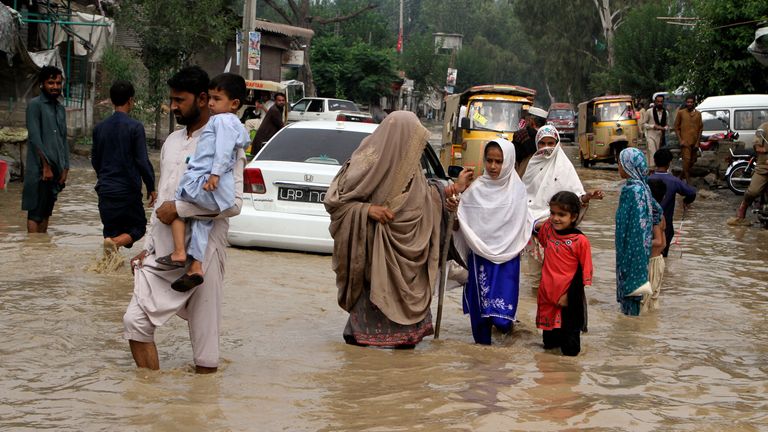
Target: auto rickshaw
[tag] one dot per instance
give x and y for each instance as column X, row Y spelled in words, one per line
column 477, row 116
column 607, row 125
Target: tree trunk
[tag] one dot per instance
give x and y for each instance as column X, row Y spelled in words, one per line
column 309, row 82
column 606, row 22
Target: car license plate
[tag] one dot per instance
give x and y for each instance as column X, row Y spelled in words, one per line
column 301, row 194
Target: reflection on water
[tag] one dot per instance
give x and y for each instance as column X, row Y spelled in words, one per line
column 699, row 363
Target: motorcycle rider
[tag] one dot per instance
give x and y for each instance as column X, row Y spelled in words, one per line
column 759, row 180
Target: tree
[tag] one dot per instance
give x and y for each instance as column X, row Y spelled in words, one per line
column 644, row 52
column 563, row 54
column 610, row 20
column 171, row 32
column 299, row 14
column 358, row 72
column 712, row 56
column 422, row 64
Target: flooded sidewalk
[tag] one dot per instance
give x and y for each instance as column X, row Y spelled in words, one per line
column 699, row 363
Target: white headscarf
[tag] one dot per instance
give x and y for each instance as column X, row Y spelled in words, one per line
column 549, row 172
column 494, row 221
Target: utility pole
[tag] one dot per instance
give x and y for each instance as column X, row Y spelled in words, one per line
column 249, row 25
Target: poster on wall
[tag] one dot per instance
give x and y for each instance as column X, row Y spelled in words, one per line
column 254, row 50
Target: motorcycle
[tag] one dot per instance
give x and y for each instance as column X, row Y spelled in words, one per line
column 710, row 142
column 740, row 169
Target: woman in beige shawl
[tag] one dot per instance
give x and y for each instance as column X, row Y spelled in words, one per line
column 386, row 224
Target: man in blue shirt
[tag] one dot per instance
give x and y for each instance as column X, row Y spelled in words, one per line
column 119, row 156
column 662, row 158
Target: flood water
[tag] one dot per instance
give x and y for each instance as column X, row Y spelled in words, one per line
column 699, row 363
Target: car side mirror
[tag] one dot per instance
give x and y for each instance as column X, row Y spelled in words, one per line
column 454, row 171
column 464, row 123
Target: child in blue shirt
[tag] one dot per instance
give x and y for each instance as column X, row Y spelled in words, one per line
column 209, row 181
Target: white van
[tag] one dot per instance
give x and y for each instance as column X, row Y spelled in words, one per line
column 743, row 113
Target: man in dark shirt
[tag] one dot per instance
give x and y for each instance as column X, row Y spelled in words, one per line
column 662, row 158
column 272, row 123
column 119, row 156
column 524, row 139
column 47, row 163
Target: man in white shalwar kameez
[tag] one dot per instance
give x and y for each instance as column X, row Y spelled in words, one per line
column 154, row 301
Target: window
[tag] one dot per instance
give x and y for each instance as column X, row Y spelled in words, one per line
column 500, row 116
column 316, row 105
column 341, row 105
column 716, row 120
column 300, row 106
column 743, row 120
column 323, row 146
column 749, row 119
column 613, row 111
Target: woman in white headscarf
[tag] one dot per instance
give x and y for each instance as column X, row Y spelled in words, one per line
column 494, row 227
column 549, row 172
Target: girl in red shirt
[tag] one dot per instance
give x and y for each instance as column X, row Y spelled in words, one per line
column 567, row 270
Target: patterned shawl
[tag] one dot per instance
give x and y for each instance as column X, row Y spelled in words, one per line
column 634, row 230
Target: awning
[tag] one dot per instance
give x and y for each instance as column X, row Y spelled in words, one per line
column 284, row 29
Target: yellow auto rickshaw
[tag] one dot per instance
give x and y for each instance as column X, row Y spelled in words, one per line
column 477, row 116
column 607, row 125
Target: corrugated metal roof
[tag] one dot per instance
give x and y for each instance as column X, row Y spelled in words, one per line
column 126, row 38
column 284, row 29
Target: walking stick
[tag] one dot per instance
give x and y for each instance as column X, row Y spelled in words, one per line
column 444, row 272
column 685, row 210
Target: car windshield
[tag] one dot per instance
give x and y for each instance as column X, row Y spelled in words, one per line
column 341, row 105
column 330, row 147
column 613, row 111
column 560, row 114
column 500, row 116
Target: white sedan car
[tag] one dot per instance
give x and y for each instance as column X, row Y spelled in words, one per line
column 317, row 108
column 285, row 185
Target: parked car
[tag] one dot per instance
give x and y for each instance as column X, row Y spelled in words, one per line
column 312, row 108
column 285, row 185
column 740, row 113
column 563, row 117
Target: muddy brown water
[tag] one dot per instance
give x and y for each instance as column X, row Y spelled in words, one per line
column 699, row 363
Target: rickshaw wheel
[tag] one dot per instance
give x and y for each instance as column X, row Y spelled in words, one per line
column 586, row 163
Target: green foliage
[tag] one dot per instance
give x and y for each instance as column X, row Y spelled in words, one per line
column 358, row 71
column 369, row 27
column 712, row 57
column 644, row 53
column 564, row 37
column 482, row 62
column 421, row 64
column 171, row 31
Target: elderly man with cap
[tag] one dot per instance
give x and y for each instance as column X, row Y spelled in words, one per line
column 523, row 139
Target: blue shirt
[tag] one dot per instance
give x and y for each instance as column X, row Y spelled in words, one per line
column 675, row 186
column 119, row 156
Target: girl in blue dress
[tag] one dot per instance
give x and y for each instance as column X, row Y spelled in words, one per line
column 494, row 227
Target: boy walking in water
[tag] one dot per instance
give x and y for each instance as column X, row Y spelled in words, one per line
column 656, row 264
column 208, row 181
